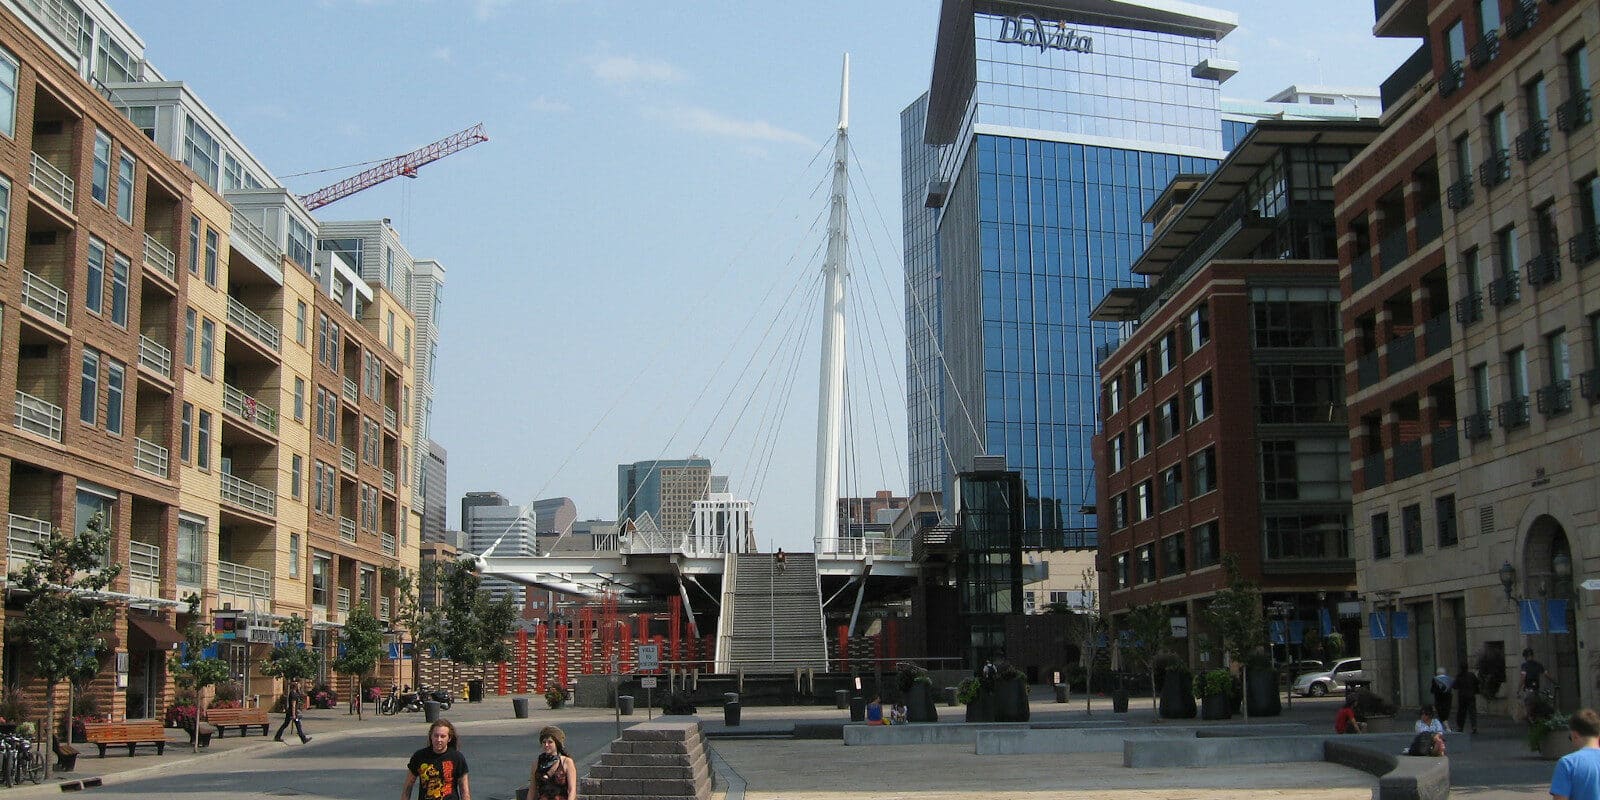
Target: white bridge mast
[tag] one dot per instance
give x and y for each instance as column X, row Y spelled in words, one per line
column 830, row 403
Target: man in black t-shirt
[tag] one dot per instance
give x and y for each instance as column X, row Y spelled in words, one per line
column 439, row 768
column 1532, row 672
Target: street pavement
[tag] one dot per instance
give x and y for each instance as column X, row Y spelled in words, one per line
column 366, row 759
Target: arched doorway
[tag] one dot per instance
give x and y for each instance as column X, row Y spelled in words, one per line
column 1547, row 574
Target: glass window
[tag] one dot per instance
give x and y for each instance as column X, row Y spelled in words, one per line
column 112, row 63
column 1499, row 135
column 201, row 152
column 296, row 468
column 1113, row 394
column 1534, row 102
column 1299, row 393
column 320, row 567
column 1200, row 400
column 1298, row 318
column 300, row 244
column 5, row 218
column 116, row 375
column 1380, row 535
column 191, row 551
column 1171, row 486
column 1578, row 70
column 95, row 277
column 1207, row 544
column 1555, row 347
column 1455, row 43
column 1172, row 555
column 100, row 172
column 1305, row 469
column 8, row 93
column 1119, row 512
column 1517, row 374
column 1119, row 454
column 1169, row 418
column 203, row 442
column 1411, row 529
column 1147, row 564
column 89, row 390
column 189, row 319
column 211, row 257
column 1480, row 387
column 1144, row 505
column 1488, row 16
column 194, row 245
column 1203, row 472
column 125, row 171
column 1506, row 246
column 143, row 118
column 1306, row 535
column 186, row 432
column 1444, row 518
column 1119, row 569
column 119, row 289
column 294, row 552
column 1141, row 438
column 1199, row 327
column 1167, row 352
column 208, row 338
column 300, row 321
column 299, row 399
column 1140, row 372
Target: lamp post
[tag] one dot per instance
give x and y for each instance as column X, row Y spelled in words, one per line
column 1283, row 610
column 1390, row 596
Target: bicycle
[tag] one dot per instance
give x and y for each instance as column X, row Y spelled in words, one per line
column 20, row 760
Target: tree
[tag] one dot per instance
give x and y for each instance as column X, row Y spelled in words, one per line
column 62, row 622
column 1148, row 628
column 1234, row 614
column 1086, row 627
column 361, row 647
column 466, row 625
column 290, row 659
column 191, row 668
column 409, row 613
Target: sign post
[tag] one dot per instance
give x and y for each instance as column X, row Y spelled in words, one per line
column 616, row 683
column 649, row 661
column 649, row 684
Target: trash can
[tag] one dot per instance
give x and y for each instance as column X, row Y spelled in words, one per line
column 1061, row 693
column 519, row 706
column 475, row 690
column 730, row 697
column 858, row 709
column 730, row 713
column 625, row 705
column 430, row 710
column 950, row 696
column 841, row 698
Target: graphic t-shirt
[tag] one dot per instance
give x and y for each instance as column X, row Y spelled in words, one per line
column 438, row 773
column 1577, row 775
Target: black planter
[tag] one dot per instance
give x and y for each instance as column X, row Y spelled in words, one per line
column 1119, row 701
column 919, row 703
column 1261, row 692
column 1011, row 700
column 981, row 709
column 1177, row 697
column 1216, row 706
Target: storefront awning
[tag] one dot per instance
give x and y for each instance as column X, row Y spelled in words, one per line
column 145, row 633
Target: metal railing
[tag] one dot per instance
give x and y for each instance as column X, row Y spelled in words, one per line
column 1524, row 15
column 1495, row 170
column 1446, row 446
column 25, row 537
column 352, row 390
column 1372, row 470
column 244, row 494
column 1475, row 426
column 243, row 581
column 1589, row 385
column 252, row 323
column 347, row 529
column 245, row 407
column 161, row 257
column 1574, row 112
column 1104, row 350
column 347, row 459
column 150, row 457
column 55, row 184
column 1392, row 248
column 1459, row 194
column 1407, row 459
column 1543, row 269
column 342, row 602
column 1367, row 369
column 1454, row 77
column 44, row 297
column 388, row 543
column 1505, row 290
column 657, row 541
column 1513, row 413
column 874, row 546
column 1430, row 224
column 156, row 356
column 1486, row 49
column 1469, row 309
column 390, row 418
column 1584, row 247
column 1534, row 142
column 36, row 415
column 1436, row 335
column 144, row 561
column 1402, row 352
column 1555, row 398
column 243, row 229
column 1361, row 269
column 388, row 479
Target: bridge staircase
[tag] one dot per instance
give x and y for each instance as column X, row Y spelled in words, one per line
column 772, row 620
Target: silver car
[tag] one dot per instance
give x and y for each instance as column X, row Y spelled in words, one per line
column 1317, row 684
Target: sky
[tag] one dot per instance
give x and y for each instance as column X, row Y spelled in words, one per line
column 619, row 253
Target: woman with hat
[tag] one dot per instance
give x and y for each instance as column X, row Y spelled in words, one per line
column 554, row 776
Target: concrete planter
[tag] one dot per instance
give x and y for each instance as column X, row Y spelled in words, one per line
column 919, row 703
column 1216, row 706
column 1011, row 700
column 1261, row 692
column 1555, row 744
column 1177, row 696
column 1119, row 701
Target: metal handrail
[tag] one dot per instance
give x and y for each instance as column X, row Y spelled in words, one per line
column 390, row 418
column 347, row 459
column 44, row 297
column 155, row 355
column 352, row 390
column 144, row 561
column 161, row 257
column 388, row 544
column 243, row 493
column 244, row 580
column 36, row 415
column 261, row 415
column 25, row 537
column 388, row 479
column 57, row 185
column 253, row 324
column 150, row 457
column 347, row 529
column 242, row 228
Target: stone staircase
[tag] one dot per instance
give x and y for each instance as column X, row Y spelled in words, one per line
column 652, row 760
column 776, row 616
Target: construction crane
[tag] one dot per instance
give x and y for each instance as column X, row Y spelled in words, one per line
column 406, row 165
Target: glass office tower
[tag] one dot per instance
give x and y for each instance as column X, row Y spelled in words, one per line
column 1055, row 125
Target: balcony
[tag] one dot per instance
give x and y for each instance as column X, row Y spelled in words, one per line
column 243, row 494
column 159, row 257
column 44, row 297
column 352, row 390
column 242, row 230
column 1574, row 112
column 144, row 562
column 1534, row 142
column 37, row 416
column 1543, row 269
column 388, row 480
column 1367, row 370
column 1513, row 413
column 244, row 581
column 1589, row 385
column 1524, row 15
column 1436, row 335
column 1555, row 399
column 1475, row 426
column 1430, row 224
column 1361, row 269
column 388, row 544
column 390, row 418
column 1407, row 459
column 1469, row 309
column 1495, row 170
column 1584, row 248
column 342, row 603
column 1459, row 194
column 1505, row 290
column 25, row 537
column 347, row 529
column 150, row 457
column 1454, row 77
column 250, row 322
column 245, row 407
column 1402, row 352
column 347, row 459
column 1484, row 50
column 383, row 608
column 52, row 182
column 156, row 356
column 1372, row 469
column 1104, row 351
column 1392, row 248
column 1446, row 447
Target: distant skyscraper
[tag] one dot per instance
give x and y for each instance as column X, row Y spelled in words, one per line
column 556, row 514
column 487, row 518
column 665, row 489
column 435, row 469
column 472, row 500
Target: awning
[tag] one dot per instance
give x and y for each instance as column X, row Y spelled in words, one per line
column 145, row 633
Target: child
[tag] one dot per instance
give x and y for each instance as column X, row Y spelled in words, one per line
column 897, row 715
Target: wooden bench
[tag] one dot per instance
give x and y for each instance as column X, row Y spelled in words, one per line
column 132, row 734
column 242, row 718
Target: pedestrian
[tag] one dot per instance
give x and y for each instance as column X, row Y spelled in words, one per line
column 1577, row 775
column 292, row 702
column 1466, row 689
column 554, row 776
column 1428, row 722
column 875, row 711
column 1345, row 721
column 1532, row 676
column 439, row 768
column 780, row 560
column 1441, row 686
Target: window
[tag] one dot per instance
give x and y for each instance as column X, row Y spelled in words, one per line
column 1119, row 454
column 188, row 337
column 143, row 118
column 1480, row 387
column 1119, row 570
column 1555, row 348
column 5, row 216
column 1172, row 555
column 1207, row 544
column 1199, row 327
column 194, row 245
column 300, row 322
column 208, row 339
column 1411, row 529
column 1139, row 370
column 388, row 331
column 1119, row 512
column 211, row 257
column 89, row 394
column 1141, row 438
column 1147, row 564
column 296, row 472
column 1114, row 394
column 1299, row 393
column 116, row 375
column 1455, row 44
column 294, row 554
column 100, row 173
column 1203, row 472
column 112, row 63
column 1488, row 16
column 1169, row 418
column 1295, row 318
column 1306, row 535
column 1144, row 506
column 191, row 550
column 300, row 244
column 202, row 457
column 1444, row 519
column 1534, row 102
column 1517, row 374
column 186, row 432
column 95, row 282
column 1497, row 132
column 8, row 93
column 1167, row 352
column 1171, row 486
column 316, row 487
column 1588, row 203
column 299, row 399
column 320, row 567
column 1200, row 400
column 125, row 171
column 201, row 152
column 1380, row 535
column 406, row 354
column 1463, row 158
column 1305, row 469
column 119, row 289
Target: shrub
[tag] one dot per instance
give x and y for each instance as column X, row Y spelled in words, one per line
column 677, row 703
column 224, row 704
column 78, row 730
column 967, row 690
column 227, row 691
column 1213, row 682
column 324, row 696
column 84, row 705
column 1539, row 727
column 907, row 673
column 555, row 697
column 180, row 716
column 13, row 706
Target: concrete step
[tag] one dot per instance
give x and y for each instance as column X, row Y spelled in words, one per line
column 650, row 773
column 671, row 787
column 611, row 759
column 653, row 748
column 663, row 732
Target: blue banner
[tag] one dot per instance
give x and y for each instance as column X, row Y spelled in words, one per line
column 1401, row 625
column 1378, row 622
column 1530, row 615
column 1276, row 632
column 1557, row 619
column 1326, row 620
column 394, row 650
column 1297, row 631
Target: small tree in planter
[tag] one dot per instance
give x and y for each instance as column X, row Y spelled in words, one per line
column 192, row 670
column 916, row 691
column 1234, row 614
column 361, row 643
column 1148, row 630
column 290, row 659
column 1087, row 628
column 1215, row 688
column 555, row 697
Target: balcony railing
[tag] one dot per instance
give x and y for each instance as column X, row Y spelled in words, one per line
column 1454, row 77
column 144, row 561
column 388, row 479
column 25, row 538
column 1574, row 112
column 1430, row 224
column 347, row 459
column 1104, row 350
column 243, row 581
column 1475, row 426
column 1402, row 352
column 1505, row 290
column 1459, row 194
column 44, row 297
column 1367, row 370
column 1484, row 50
column 1584, row 248
column 245, row 407
column 390, row 418
column 1556, row 398
column 55, row 184
column 1446, row 447
column 150, row 457
column 261, row 330
column 243, row 229
column 1392, row 248
column 383, row 608
column 1436, row 335
column 343, row 600
column 352, row 390
column 1513, row 413
column 1469, row 309
column 347, row 529
column 37, row 416
column 1543, row 269
column 156, row 356
column 1407, row 459
column 1589, row 385
column 388, row 544
column 244, row 494
column 1372, row 469
column 1495, row 170
column 1524, row 15
column 1534, row 142
column 1361, row 269
column 160, row 257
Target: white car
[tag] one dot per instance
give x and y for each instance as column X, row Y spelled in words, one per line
column 1317, row 684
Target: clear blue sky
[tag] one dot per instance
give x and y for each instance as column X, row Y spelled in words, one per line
column 610, row 242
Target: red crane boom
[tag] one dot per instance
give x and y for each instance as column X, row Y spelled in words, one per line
column 406, row 165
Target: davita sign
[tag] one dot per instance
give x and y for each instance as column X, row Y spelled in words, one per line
column 1028, row 30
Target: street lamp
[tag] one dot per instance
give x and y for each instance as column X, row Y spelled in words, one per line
column 1508, row 577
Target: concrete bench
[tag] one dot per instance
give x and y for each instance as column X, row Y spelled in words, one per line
column 923, row 732
column 1399, row 777
column 132, row 734
column 1214, row 748
column 242, row 718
